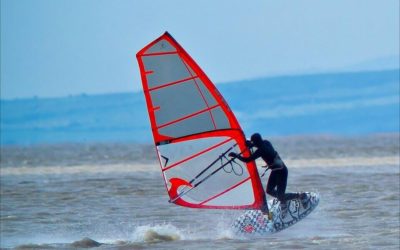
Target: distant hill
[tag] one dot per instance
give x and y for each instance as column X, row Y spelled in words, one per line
column 381, row 63
column 335, row 103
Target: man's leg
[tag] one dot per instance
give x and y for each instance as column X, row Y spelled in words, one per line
column 281, row 184
column 271, row 191
column 272, row 183
column 281, row 188
column 264, row 208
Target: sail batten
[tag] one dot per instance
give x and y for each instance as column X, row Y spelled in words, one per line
column 195, row 155
column 208, row 109
column 194, row 130
column 160, row 53
column 172, row 83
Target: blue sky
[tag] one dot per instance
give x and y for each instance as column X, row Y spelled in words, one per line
column 66, row 47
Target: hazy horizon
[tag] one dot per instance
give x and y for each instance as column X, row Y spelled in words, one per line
column 266, row 77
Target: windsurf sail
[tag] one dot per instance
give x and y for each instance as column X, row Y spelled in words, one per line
column 194, row 130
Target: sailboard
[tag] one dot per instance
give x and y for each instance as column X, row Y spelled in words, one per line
column 253, row 222
column 194, row 130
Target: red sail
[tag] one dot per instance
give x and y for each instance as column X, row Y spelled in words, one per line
column 194, row 130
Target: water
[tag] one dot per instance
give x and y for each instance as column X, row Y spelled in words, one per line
column 112, row 197
column 351, row 103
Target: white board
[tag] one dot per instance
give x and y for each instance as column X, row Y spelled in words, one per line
column 253, row 222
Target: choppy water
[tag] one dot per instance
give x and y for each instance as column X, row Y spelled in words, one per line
column 56, row 196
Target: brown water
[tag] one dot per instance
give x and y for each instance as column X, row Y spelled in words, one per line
column 55, row 196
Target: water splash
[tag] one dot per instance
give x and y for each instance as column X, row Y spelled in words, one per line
column 157, row 233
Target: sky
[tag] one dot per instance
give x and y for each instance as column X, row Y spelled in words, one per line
column 52, row 48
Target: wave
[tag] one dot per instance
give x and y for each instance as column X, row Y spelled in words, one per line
column 157, row 233
column 142, row 236
column 147, row 167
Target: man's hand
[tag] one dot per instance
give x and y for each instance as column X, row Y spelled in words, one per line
column 249, row 144
column 233, row 155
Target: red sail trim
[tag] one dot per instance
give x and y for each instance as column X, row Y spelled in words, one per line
column 160, row 53
column 234, row 133
column 227, row 190
column 187, row 116
column 143, row 75
column 197, row 154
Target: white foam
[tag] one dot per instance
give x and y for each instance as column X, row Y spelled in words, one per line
column 80, row 169
column 161, row 232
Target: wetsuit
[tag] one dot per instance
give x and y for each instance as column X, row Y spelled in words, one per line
column 277, row 180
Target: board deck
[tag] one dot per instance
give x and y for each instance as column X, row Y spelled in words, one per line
column 253, row 222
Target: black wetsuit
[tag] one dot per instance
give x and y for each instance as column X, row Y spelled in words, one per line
column 277, row 180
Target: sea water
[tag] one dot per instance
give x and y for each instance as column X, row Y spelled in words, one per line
column 112, row 196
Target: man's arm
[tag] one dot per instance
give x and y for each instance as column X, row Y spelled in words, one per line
column 252, row 157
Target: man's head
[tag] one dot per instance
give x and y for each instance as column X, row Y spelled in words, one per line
column 256, row 139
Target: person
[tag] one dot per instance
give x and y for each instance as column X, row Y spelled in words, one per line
column 277, row 180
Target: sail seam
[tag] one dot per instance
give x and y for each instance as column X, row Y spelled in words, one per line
column 172, row 83
column 160, row 53
column 201, row 93
column 225, row 191
column 188, row 116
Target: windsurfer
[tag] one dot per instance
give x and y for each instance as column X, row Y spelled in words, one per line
column 277, row 180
